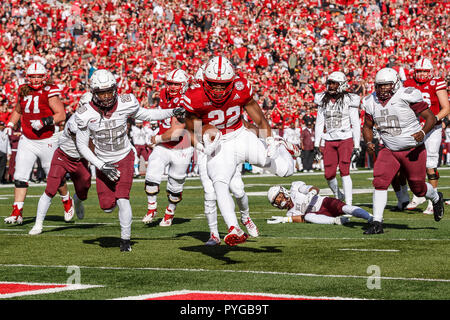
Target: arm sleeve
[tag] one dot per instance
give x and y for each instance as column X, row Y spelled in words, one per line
column 356, row 126
column 153, row 114
column 83, row 147
column 319, row 127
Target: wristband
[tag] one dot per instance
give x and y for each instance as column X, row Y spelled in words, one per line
column 287, row 219
column 437, row 118
column 423, row 132
column 158, row 139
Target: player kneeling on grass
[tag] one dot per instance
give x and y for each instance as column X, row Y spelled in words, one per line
column 304, row 204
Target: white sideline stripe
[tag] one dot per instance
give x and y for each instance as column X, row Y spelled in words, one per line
column 184, row 291
column 233, row 271
column 376, row 250
column 67, row 287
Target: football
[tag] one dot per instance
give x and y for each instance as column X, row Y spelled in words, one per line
column 208, row 132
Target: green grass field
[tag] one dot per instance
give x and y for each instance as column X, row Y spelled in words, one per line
column 409, row 261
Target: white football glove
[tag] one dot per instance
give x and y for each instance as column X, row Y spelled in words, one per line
column 278, row 219
column 9, row 128
column 271, row 147
column 37, row 124
column 211, row 146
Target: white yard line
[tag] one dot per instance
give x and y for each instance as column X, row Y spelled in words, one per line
column 295, row 274
column 375, row 250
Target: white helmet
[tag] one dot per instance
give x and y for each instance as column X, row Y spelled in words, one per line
column 36, row 75
column 104, row 83
column 176, row 82
column 338, row 77
column 383, row 77
column 218, row 78
column 273, row 193
column 423, row 65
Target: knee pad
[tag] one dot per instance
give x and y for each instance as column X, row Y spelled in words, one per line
column 434, row 175
column 210, row 207
column 174, row 197
column 151, row 188
column 20, row 184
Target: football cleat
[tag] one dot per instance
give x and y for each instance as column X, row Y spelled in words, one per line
column 438, row 208
column 341, row 195
column 37, row 229
column 251, row 227
column 235, row 236
column 447, row 202
column 341, row 220
column 125, row 245
column 375, row 227
column 168, row 218
column 415, row 202
column 16, row 216
column 79, row 208
column 429, row 209
column 401, row 206
column 212, row 241
column 151, row 213
column 69, row 211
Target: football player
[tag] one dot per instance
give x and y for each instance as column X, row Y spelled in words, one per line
column 304, row 204
column 39, row 109
column 394, row 110
column 66, row 160
column 338, row 113
column 104, row 119
column 434, row 93
column 172, row 149
column 220, row 101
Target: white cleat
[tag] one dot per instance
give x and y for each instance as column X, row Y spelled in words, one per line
column 415, row 202
column 13, row 220
column 36, row 230
column 213, row 241
column 429, row 209
column 79, row 208
column 69, row 210
column 447, row 202
column 151, row 213
column 167, row 220
column 251, row 227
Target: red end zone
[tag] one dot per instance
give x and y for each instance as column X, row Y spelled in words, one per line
column 17, row 289
column 218, row 295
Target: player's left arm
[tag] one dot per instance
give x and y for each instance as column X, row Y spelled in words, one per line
column 176, row 130
column 430, row 121
column 255, row 113
column 444, row 103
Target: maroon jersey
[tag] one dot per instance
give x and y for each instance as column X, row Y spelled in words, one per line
column 165, row 124
column 429, row 90
column 35, row 106
column 226, row 117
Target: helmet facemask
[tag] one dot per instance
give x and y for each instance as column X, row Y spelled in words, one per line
column 218, row 91
column 105, row 98
column 384, row 91
column 282, row 199
column 422, row 75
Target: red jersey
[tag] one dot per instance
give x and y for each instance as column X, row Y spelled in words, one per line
column 35, row 106
column 227, row 117
column 429, row 90
column 164, row 125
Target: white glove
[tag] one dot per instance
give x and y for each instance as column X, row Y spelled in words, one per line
column 271, row 147
column 9, row 128
column 278, row 219
column 211, row 146
column 37, row 124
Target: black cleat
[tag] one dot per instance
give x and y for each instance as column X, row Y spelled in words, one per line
column 125, row 245
column 400, row 208
column 438, row 208
column 375, row 227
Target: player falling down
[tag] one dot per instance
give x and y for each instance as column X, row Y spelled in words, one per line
column 220, row 101
column 304, row 204
column 66, row 159
column 104, row 120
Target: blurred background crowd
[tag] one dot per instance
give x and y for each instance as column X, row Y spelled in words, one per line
column 285, row 48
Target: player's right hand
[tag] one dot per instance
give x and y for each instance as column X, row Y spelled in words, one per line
column 211, row 146
column 9, row 128
column 110, row 171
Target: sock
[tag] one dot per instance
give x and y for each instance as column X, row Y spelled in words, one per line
column 333, row 184
column 65, row 197
column 431, row 193
column 171, row 207
column 318, row 218
column 19, row 205
column 211, row 216
column 404, row 190
column 76, row 200
column 348, row 189
column 357, row 212
column 151, row 200
column 379, row 203
column 125, row 218
column 44, row 203
column 242, row 203
column 226, row 204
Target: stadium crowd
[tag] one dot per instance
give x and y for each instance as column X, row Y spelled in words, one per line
column 285, row 48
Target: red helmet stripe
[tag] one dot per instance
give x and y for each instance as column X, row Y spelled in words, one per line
column 219, row 72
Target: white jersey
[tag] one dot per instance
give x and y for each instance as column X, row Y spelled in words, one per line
column 109, row 133
column 292, row 135
column 396, row 121
column 149, row 133
column 447, row 135
column 66, row 141
column 138, row 135
column 303, row 202
column 341, row 120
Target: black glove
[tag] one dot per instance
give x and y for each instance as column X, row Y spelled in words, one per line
column 317, row 153
column 110, row 171
column 179, row 113
column 356, row 152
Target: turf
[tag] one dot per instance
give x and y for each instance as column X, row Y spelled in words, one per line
column 409, row 261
